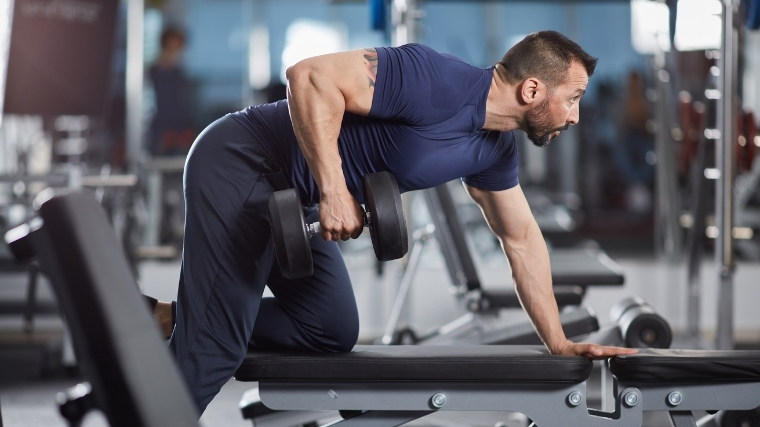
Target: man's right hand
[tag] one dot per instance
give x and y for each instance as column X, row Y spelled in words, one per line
column 340, row 216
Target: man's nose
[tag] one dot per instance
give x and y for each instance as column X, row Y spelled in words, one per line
column 575, row 115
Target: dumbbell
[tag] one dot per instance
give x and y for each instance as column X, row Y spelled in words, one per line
column 640, row 325
column 383, row 215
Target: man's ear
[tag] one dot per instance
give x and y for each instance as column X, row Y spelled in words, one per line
column 530, row 90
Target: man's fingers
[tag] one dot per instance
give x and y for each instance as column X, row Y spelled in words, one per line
column 595, row 351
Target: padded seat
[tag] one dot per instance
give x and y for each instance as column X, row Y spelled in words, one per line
column 656, row 365
column 507, row 298
column 417, row 363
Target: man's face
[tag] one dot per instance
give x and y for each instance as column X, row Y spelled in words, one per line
column 559, row 109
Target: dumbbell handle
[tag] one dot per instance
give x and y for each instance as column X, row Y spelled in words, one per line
column 315, row 227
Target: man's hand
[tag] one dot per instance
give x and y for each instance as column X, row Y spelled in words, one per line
column 592, row 351
column 341, row 216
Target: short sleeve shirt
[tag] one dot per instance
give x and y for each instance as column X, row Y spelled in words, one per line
column 424, row 126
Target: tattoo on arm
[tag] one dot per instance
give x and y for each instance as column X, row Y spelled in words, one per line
column 370, row 58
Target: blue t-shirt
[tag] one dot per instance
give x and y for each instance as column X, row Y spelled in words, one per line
column 425, row 127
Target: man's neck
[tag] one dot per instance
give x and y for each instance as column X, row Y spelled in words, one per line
column 503, row 111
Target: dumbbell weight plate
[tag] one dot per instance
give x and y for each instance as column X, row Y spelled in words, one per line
column 642, row 327
column 624, row 305
column 388, row 229
column 291, row 242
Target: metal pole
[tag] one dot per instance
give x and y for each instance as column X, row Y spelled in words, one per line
column 697, row 235
column 406, row 283
column 724, row 200
column 404, row 15
column 668, row 232
column 134, row 81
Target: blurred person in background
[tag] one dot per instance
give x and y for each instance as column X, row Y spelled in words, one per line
column 171, row 130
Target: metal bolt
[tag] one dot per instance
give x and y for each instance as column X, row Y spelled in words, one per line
column 575, row 398
column 675, row 398
column 332, row 394
column 631, row 399
column 438, row 400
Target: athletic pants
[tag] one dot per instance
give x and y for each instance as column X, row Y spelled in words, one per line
column 227, row 260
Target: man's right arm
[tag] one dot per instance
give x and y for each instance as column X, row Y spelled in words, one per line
column 320, row 90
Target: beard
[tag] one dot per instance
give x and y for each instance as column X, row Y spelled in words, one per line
column 539, row 126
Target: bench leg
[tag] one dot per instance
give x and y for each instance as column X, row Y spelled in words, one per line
column 381, row 419
column 682, row 419
column 31, row 299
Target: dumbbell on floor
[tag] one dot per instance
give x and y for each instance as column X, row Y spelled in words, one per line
column 384, row 216
column 640, row 325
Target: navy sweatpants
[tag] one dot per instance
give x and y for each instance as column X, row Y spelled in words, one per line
column 228, row 258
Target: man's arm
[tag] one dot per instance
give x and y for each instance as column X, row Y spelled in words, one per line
column 508, row 214
column 320, row 90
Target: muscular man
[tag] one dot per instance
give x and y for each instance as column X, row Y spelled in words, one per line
column 427, row 118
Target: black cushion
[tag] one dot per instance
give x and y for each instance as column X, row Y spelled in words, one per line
column 652, row 365
column 135, row 380
column 584, row 268
column 507, row 298
column 417, row 363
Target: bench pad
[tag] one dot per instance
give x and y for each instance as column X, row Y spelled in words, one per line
column 417, row 363
column 655, row 365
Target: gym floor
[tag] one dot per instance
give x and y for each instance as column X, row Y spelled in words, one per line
column 32, row 403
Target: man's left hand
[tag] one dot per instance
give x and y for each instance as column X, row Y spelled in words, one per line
column 592, row 351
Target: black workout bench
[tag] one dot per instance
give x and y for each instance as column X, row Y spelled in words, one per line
column 388, row 386
column 135, row 382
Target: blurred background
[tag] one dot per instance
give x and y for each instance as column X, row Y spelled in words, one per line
column 107, row 96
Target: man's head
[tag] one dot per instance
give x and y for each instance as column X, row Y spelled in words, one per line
column 550, row 72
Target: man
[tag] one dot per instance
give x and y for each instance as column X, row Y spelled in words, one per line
column 427, row 118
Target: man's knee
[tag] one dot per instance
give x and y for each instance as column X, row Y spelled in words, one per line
column 344, row 339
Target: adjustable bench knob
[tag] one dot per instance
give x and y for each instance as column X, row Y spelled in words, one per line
column 575, row 398
column 675, row 398
column 631, row 399
column 438, row 400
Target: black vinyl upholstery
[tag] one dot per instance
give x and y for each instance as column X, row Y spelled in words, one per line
column 659, row 365
column 417, row 363
column 135, row 381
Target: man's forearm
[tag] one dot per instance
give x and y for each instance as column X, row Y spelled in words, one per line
column 531, row 269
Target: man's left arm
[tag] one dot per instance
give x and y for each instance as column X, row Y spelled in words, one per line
column 509, row 216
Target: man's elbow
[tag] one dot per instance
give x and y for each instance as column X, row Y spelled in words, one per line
column 298, row 74
column 521, row 236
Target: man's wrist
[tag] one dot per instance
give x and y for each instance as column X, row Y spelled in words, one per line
column 333, row 191
column 559, row 346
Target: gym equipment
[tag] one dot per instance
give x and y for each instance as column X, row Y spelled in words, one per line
column 749, row 418
column 388, row 386
column 633, row 320
column 751, row 14
column 377, row 14
column 639, row 325
column 134, row 380
column 572, row 272
column 384, row 216
column 725, row 161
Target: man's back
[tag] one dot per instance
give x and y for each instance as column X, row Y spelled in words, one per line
column 424, row 127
